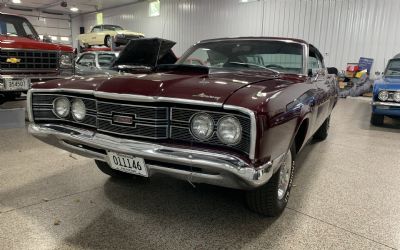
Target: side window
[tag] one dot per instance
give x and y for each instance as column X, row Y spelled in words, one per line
column 87, row 60
column 96, row 29
column 206, row 57
column 27, row 29
column 314, row 61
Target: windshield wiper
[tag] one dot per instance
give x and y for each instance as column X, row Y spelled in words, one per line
column 249, row 65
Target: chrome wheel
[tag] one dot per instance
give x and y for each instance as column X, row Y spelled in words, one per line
column 285, row 173
column 108, row 41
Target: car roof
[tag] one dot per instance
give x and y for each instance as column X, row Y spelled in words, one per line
column 396, row 56
column 255, row 38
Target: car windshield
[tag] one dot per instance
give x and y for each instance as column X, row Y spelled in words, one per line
column 112, row 27
column 247, row 54
column 393, row 68
column 16, row 26
column 105, row 60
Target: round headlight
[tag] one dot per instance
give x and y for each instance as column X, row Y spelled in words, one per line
column 202, row 126
column 229, row 130
column 396, row 97
column 383, row 95
column 78, row 109
column 61, row 107
column 66, row 60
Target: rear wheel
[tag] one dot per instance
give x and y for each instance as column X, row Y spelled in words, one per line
column 271, row 198
column 105, row 168
column 108, row 41
column 377, row 120
column 322, row 132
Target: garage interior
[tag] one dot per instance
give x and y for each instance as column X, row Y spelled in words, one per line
column 345, row 193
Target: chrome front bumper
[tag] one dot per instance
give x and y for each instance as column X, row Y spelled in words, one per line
column 211, row 168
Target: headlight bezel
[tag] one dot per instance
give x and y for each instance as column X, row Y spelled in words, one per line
column 66, row 63
column 396, row 96
column 68, row 110
column 382, row 92
column 240, row 132
column 212, row 126
column 78, row 101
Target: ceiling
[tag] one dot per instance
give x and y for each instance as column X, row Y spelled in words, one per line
column 85, row 6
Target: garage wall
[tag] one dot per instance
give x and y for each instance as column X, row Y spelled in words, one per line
column 343, row 30
column 57, row 26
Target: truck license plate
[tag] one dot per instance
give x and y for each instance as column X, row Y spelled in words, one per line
column 17, row 84
column 128, row 164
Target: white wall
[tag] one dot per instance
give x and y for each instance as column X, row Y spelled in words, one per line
column 54, row 25
column 343, row 30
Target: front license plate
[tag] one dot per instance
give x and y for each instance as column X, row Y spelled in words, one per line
column 128, row 164
column 17, row 84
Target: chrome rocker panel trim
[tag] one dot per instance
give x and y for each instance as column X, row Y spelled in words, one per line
column 218, row 169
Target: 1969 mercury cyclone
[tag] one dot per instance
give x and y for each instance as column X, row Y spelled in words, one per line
column 231, row 112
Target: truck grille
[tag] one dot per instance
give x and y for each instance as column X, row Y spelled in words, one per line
column 148, row 121
column 28, row 60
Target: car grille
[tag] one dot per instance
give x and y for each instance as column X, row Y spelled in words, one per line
column 43, row 61
column 148, row 122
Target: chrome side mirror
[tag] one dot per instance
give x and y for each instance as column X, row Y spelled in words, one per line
column 47, row 39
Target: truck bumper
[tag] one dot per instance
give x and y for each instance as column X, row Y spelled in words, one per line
column 386, row 108
column 187, row 164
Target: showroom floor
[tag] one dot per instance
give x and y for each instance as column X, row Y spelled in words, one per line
column 345, row 196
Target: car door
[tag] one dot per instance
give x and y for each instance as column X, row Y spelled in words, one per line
column 93, row 38
column 319, row 77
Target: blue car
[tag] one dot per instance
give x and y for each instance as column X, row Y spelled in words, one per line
column 386, row 94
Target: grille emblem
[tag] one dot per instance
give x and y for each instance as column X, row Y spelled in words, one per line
column 13, row 60
column 122, row 119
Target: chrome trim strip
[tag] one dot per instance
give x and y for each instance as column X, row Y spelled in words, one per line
column 136, row 123
column 385, row 104
column 233, row 171
column 29, row 105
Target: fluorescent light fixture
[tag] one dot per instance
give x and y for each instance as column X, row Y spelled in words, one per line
column 16, row 1
column 41, row 37
column 64, row 38
column 54, row 38
column 74, row 9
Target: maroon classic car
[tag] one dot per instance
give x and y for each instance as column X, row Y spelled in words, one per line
column 231, row 112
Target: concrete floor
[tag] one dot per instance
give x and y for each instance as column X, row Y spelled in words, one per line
column 345, row 196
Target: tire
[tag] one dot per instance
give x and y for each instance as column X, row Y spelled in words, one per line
column 322, row 132
column 108, row 41
column 105, row 168
column 270, row 200
column 377, row 120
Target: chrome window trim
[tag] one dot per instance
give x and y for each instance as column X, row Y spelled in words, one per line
column 129, row 97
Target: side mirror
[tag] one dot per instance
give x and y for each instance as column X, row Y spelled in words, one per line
column 47, row 39
column 333, row 71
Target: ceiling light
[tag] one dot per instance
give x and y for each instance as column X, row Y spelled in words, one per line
column 16, row 1
column 74, row 9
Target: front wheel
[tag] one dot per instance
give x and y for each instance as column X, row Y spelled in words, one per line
column 271, row 198
column 377, row 120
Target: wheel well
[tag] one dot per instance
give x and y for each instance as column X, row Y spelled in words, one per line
column 301, row 135
column 105, row 38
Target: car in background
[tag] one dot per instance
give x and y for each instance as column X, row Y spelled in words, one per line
column 234, row 121
column 95, row 62
column 105, row 34
column 386, row 93
column 25, row 58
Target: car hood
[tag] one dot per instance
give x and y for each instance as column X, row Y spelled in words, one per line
column 16, row 42
column 215, row 88
column 391, row 83
column 146, row 52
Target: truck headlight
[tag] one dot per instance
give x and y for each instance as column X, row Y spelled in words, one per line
column 78, row 109
column 66, row 60
column 396, row 96
column 202, row 126
column 229, row 130
column 383, row 95
column 61, row 107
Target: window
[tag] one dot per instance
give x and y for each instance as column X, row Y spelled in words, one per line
column 154, row 8
column 27, row 29
column 112, row 27
column 105, row 60
column 96, row 29
column 247, row 54
column 87, row 60
column 11, row 30
column 16, row 26
column 393, row 68
column 314, row 61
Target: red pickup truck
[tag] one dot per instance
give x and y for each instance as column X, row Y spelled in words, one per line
column 25, row 58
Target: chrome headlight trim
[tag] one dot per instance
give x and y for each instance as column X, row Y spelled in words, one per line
column 236, row 122
column 78, row 109
column 210, row 124
column 56, row 107
column 383, row 95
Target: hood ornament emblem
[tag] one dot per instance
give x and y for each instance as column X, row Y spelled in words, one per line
column 203, row 95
